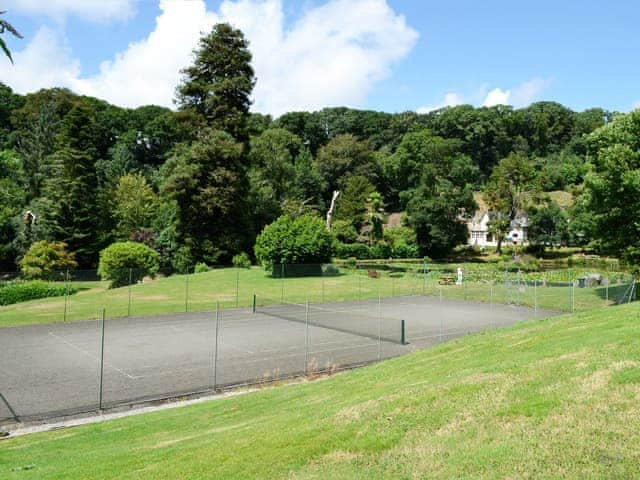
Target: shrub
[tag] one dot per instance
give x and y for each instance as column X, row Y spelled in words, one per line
column 355, row 250
column 201, row 267
column 16, row 292
column 344, row 231
column 288, row 240
column 241, row 260
column 46, row 259
column 122, row 262
column 330, row 270
column 182, row 260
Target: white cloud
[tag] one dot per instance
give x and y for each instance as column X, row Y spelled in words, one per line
column 526, row 93
column 45, row 62
column 332, row 55
column 451, row 99
column 497, row 96
column 94, row 10
column 519, row 96
column 149, row 70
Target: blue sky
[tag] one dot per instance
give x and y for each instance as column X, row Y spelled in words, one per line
column 391, row 55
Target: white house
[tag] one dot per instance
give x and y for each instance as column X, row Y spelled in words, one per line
column 479, row 231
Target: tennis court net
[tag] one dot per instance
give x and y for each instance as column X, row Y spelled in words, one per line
column 344, row 320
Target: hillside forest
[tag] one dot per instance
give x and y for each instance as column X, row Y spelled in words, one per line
column 199, row 183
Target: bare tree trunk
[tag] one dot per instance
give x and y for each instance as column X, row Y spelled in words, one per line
column 499, row 246
column 332, row 209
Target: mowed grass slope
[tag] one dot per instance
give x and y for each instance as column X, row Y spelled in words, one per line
column 553, row 398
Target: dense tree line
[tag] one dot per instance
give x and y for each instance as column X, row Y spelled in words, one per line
column 200, row 183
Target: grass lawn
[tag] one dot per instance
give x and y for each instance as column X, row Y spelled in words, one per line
column 235, row 287
column 546, row 399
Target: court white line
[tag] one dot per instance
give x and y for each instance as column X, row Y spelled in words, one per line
column 93, row 357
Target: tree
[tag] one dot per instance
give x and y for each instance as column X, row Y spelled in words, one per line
column 9, row 102
column 582, row 222
column 438, row 217
column 6, row 26
column 208, row 183
column 134, row 205
column 614, row 186
column 352, row 203
column 35, row 145
column 272, row 155
column 438, row 209
column 72, row 186
column 12, row 199
column 219, row 83
column 47, row 260
column 417, row 151
column 510, row 186
column 126, row 262
column 298, row 240
column 548, row 224
column 307, row 185
column 342, row 157
column 374, row 217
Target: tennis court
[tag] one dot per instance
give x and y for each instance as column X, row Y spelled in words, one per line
column 68, row 368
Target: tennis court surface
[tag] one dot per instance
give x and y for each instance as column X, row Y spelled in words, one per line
column 48, row 371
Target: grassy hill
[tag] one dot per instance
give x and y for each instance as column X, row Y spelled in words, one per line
column 547, row 399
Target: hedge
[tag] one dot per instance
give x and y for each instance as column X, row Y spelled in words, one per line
column 16, row 292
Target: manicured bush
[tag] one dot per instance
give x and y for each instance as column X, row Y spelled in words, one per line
column 299, row 240
column 241, row 260
column 16, row 292
column 47, row 260
column 201, row 267
column 122, row 262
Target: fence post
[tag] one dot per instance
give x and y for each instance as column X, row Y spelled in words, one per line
column 253, row 309
column 129, row 303
column 282, row 282
column 66, row 294
column 424, row 277
column 103, row 314
column 238, row 288
column 379, row 326
column 215, row 353
column 306, row 335
column 403, row 333
column 186, row 292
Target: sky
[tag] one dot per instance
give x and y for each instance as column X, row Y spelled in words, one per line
column 389, row 55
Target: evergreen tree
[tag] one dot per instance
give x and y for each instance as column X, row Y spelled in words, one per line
column 219, row 83
column 72, row 187
column 208, row 182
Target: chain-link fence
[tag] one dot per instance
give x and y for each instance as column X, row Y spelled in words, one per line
column 172, row 335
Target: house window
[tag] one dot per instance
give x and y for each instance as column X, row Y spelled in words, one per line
column 476, row 235
column 514, row 235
